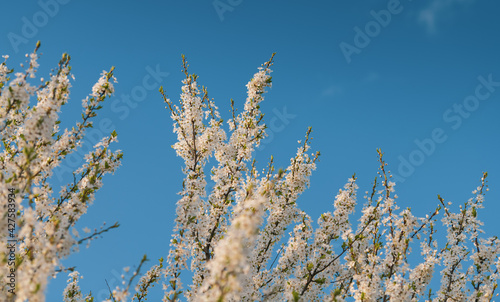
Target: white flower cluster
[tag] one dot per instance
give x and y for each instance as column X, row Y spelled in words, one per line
column 32, row 146
column 229, row 269
column 229, row 240
column 246, row 239
column 200, row 224
column 72, row 292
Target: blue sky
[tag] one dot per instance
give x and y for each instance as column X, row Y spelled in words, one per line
column 419, row 79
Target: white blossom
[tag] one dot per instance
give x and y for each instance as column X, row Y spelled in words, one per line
column 244, row 239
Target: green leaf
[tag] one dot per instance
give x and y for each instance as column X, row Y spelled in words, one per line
column 310, row 266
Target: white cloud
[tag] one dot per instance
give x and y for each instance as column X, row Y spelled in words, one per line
column 332, row 90
column 429, row 15
column 372, row 76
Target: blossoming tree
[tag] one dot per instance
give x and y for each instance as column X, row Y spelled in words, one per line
column 39, row 221
column 231, row 242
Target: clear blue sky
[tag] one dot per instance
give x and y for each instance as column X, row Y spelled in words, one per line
column 362, row 78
